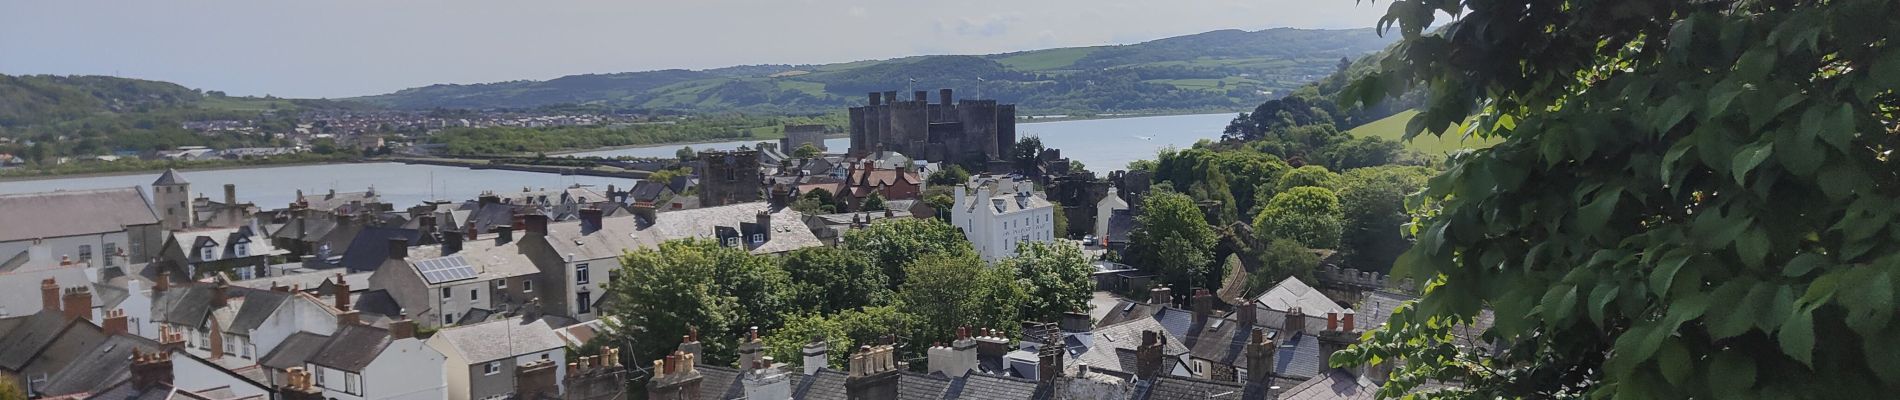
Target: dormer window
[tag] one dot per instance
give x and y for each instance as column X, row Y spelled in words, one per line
column 758, row 238
column 242, row 249
column 208, row 252
column 732, row 242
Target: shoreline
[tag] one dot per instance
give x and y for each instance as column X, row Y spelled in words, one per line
column 1019, row 120
column 152, row 171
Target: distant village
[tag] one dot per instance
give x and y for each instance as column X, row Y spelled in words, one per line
column 157, row 292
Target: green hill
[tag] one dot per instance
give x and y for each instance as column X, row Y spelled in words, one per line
column 43, row 117
column 1213, row 71
column 1393, row 127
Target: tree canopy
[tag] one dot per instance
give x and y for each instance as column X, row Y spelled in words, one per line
column 893, row 243
column 1306, row 214
column 1172, row 238
column 955, row 289
column 1689, row 199
column 1055, row 277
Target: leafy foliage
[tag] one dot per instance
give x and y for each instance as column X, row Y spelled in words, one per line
column 1055, row 277
column 1373, row 202
column 695, row 283
column 950, row 175
column 828, row 279
column 894, row 243
column 957, row 289
column 1172, row 239
column 787, row 343
column 1281, row 259
column 1306, row 214
column 1690, row 199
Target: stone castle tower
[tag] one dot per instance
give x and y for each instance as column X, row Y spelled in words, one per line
column 730, row 177
column 961, row 132
column 171, row 196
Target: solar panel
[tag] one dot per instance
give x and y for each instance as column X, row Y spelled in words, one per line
column 445, row 269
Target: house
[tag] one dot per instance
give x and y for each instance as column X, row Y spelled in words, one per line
column 491, row 359
column 83, row 225
column 866, row 178
column 239, row 251
column 359, row 361
column 26, row 279
column 576, row 259
column 216, row 319
column 649, row 191
column 1002, row 213
column 1291, row 297
column 457, row 280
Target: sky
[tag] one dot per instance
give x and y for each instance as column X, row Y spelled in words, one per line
column 344, row 48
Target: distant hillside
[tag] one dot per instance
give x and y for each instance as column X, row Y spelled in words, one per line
column 45, row 116
column 1219, row 70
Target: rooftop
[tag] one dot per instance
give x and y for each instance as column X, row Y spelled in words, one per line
column 72, row 213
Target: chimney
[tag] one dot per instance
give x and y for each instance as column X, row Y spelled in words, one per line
column 427, row 224
column 1203, row 304
column 1346, row 321
column 1260, row 352
column 1049, row 358
column 816, row 354
column 1148, row 355
column 764, row 220
column 991, row 344
column 690, row 343
column 220, row 296
column 149, row 370
column 230, row 194
column 943, row 96
column 645, row 213
column 873, row 373
column 300, row 386
column 504, row 234
column 77, row 303
column 398, row 248
column 1075, row 322
column 114, row 323
column 538, row 380
column 402, row 328
column 763, row 381
column 1294, row 323
column 674, row 377
column 1334, row 339
column 169, row 340
column 890, row 97
column 1332, row 321
column 342, row 294
column 590, row 220
column 1160, row 295
column 536, row 224
column 964, row 351
column 470, row 232
column 451, row 243
column 1248, row 314
column 49, row 294
column 751, row 350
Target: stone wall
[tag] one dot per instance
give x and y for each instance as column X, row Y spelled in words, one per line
column 965, row 131
column 730, row 177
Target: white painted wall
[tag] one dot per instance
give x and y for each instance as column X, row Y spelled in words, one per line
column 69, row 246
column 596, row 286
column 298, row 314
column 455, row 369
column 408, row 370
column 190, row 374
column 995, row 235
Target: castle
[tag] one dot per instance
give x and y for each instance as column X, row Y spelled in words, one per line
column 968, row 131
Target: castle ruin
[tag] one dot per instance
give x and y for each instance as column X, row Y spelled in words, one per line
column 972, row 132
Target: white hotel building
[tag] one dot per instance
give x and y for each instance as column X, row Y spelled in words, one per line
column 999, row 213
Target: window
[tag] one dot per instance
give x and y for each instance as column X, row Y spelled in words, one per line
column 448, row 319
column 612, row 275
column 732, row 242
column 501, row 283
column 527, row 285
column 447, row 294
column 494, row 367
column 581, row 275
column 352, row 383
column 248, row 348
column 112, row 249
column 230, row 344
column 319, row 373
column 85, row 252
column 243, row 249
column 758, row 238
column 474, row 295
column 584, row 302
column 204, row 339
column 208, row 253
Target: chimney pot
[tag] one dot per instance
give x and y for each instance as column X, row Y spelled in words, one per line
column 342, row 294
column 1332, row 321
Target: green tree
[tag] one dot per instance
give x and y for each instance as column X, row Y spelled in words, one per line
column 1306, row 214
column 1172, row 239
column 1281, row 259
column 893, row 243
column 787, row 343
column 721, row 290
column 807, row 151
column 1141, row 165
column 816, row 201
column 827, row 279
column 873, row 324
column 686, row 153
column 1688, row 199
column 949, row 175
column 956, row 289
column 1373, row 202
column 1056, row 278
column 1025, row 153
column 1061, row 220
column 873, row 203
column 1311, row 175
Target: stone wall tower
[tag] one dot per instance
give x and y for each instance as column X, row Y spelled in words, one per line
column 171, row 196
column 730, row 177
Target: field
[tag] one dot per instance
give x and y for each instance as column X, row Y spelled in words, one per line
column 1393, row 127
column 1043, row 60
column 245, row 104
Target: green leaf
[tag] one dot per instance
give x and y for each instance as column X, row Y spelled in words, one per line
column 1596, row 214
column 1665, row 273
column 1719, row 98
column 1737, row 297
column 1802, row 264
column 1775, row 309
column 1675, row 362
column 1750, row 156
column 1869, row 300
column 1755, row 64
column 1797, row 336
column 1753, row 246
column 1559, row 303
column 1731, row 374
column 1600, row 300
column 1839, row 127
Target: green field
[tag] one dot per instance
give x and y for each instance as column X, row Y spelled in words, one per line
column 245, row 104
column 1393, row 127
column 1046, row 59
column 1205, row 84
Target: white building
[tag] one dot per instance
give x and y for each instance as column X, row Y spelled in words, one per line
column 83, row 226
column 1104, row 210
column 486, row 360
column 997, row 214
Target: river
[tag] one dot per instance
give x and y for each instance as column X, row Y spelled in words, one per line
column 1102, row 144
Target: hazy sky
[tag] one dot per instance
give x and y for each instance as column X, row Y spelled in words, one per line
column 341, row 48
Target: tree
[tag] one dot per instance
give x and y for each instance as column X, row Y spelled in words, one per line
column 1280, row 259
column 892, row 243
column 698, row 283
column 1373, row 205
column 1077, row 166
column 807, row 151
column 949, row 175
column 942, row 203
column 1687, row 199
column 874, row 202
column 686, row 154
column 827, row 279
column 816, row 201
column 787, row 343
column 1172, row 239
column 1141, row 165
column 1026, row 152
column 1306, row 214
column 1061, row 220
column 1056, row 278
column 1307, row 176
column 957, row 289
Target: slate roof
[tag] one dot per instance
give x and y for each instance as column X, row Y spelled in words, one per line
column 257, row 306
column 491, row 261
column 1180, row 388
column 1292, row 293
column 646, row 190
column 352, row 348
column 494, row 340
column 91, row 371
column 788, row 227
column 614, row 237
column 1220, row 340
column 719, row 383
column 1299, row 356
column 170, row 177
column 1377, row 308
column 1113, row 347
column 915, row 386
column 186, row 305
column 20, row 289
column 371, row 246
column 72, row 213
column 294, row 350
column 32, row 334
column 378, row 302
column 331, row 201
column 1334, row 384
column 990, row 387
column 1121, row 224
column 826, row 384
